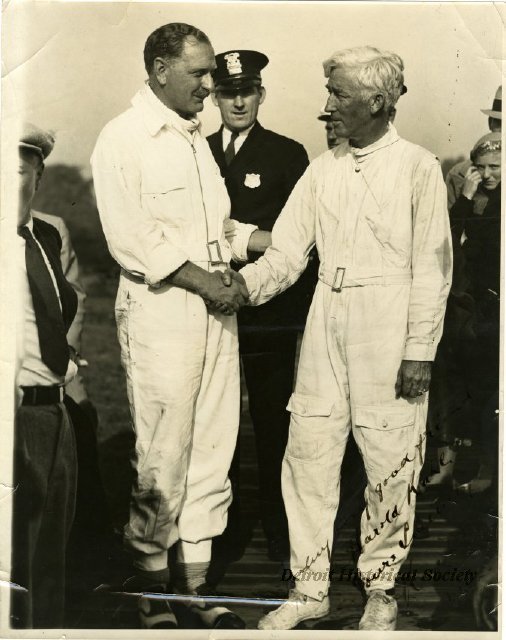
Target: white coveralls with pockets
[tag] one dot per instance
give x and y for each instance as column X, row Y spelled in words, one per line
column 162, row 200
column 379, row 219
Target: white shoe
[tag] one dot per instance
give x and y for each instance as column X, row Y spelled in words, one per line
column 380, row 612
column 297, row 608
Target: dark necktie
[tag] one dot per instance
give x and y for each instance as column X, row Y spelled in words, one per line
column 230, row 150
column 54, row 349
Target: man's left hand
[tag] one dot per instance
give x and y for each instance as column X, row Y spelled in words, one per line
column 413, row 378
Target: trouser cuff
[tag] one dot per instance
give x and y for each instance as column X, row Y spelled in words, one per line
column 152, row 562
column 194, row 551
column 316, row 589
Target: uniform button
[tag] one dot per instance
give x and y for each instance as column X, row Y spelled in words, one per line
column 385, row 423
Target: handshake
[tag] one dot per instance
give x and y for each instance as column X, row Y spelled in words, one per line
column 225, row 292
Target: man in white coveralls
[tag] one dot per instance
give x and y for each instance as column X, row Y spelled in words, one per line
column 376, row 208
column 165, row 212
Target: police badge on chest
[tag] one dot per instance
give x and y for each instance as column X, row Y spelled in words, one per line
column 252, row 180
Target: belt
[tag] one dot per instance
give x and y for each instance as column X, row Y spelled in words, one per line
column 33, row 396
column 343, row 277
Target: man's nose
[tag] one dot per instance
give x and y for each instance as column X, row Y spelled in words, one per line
column 207, row 82
column 331, row 104
column 238, row 101
column 486, row 173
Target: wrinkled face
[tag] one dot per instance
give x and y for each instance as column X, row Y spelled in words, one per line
column 29, row 172
column 239, row 107
column 348, row 110
column 489, row 168
column 186, row 81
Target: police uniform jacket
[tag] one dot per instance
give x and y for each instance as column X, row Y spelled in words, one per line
column 259, row 180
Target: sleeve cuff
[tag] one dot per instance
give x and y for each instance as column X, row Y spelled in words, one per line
column 238, row 235
column 420, row 352
column 156, row 277
column 249, row 273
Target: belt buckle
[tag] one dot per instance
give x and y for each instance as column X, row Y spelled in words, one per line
column 214, row 251
column 337, row 284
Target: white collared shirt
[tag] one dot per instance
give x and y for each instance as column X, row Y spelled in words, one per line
column 32, row 370
column 239, row 141
column 160, row 194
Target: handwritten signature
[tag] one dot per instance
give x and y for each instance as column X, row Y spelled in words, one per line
column 311, row 560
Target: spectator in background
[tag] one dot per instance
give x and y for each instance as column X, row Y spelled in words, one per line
column 448, row 415
column 457, row 174
column 482, row 269
column 44, row 446
column 332, row 138
column 87, row 542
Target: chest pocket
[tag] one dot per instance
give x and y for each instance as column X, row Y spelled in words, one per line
column 167, row 198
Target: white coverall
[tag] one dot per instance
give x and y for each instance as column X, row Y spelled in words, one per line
column 379, row 219
column 161, row 200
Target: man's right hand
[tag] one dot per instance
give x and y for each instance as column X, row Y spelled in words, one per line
column 227, row 298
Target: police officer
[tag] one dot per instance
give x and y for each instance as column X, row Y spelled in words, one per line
column 261, row 168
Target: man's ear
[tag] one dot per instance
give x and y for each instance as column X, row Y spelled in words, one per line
column 376, row 103
column 160, row 69
column 40, row 171
column 214, row 99
column 262, row 93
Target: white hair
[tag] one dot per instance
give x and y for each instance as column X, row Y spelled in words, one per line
column 372, row 70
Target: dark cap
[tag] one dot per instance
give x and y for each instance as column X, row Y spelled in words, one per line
column 35, row 139
column 239, row 68
column 324, row 116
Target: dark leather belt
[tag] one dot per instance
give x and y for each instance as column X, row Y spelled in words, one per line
column 33, row 396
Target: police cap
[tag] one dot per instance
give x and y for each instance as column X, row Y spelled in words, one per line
column 239, row 68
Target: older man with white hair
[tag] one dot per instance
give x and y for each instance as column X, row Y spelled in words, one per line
column 376, row 208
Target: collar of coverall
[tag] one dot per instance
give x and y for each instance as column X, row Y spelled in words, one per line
column 156, row 115
column 389, row 138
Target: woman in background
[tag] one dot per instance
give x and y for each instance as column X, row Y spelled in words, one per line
column 479, row 237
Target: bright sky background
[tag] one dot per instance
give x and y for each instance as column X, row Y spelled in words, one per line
column 72, row 66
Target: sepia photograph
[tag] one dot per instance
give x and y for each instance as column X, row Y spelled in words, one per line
column 251, row 271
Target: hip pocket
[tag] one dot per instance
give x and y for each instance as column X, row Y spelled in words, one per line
column 309, row 426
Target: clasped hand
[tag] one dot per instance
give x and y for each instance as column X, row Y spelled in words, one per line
column 226, row 292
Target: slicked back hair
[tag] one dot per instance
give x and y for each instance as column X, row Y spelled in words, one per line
column 167, row 42
column 372, row 70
